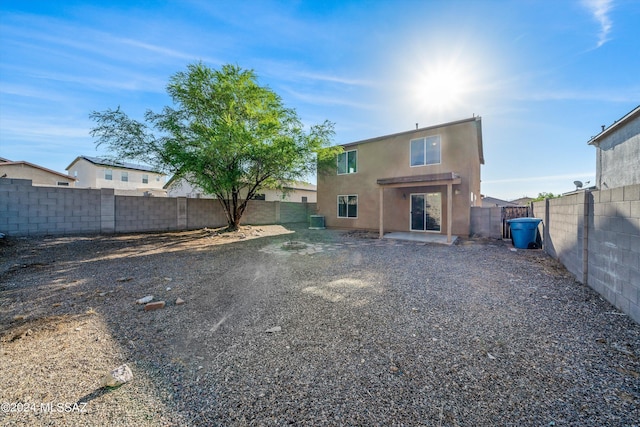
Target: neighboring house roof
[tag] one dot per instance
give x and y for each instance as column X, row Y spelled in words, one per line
column 114, row 164
column 6, row 162
column 297, row 185
column 492, row 202
column 522, row 201
column 301, row 185
column 618, row 123
column 477, row 119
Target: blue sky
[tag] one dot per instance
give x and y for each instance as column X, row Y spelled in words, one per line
column 544, row 75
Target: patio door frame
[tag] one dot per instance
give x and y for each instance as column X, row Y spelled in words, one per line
column 425, row 212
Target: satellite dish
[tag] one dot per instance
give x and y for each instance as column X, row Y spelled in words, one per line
column 578, row 184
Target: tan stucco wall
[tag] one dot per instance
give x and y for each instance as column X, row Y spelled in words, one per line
column 389, row 157
column 38, row 177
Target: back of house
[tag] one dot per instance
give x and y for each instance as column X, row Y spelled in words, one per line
column 423, row 180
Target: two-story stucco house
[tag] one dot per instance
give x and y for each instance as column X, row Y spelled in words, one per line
column 423, row 180
column 127, row 179
column 618, row 152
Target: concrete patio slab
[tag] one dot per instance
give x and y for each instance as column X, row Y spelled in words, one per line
column 421, row 237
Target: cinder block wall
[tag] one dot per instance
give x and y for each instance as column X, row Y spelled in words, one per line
column 290, row 212
column 596, row 235
column 486, row 222
column 260, row 212
column 563, row 222
column 205, row 213
column 145, row 214
column 27, row 210
column 614, row 248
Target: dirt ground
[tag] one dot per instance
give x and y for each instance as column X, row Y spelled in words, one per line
column 290, row 326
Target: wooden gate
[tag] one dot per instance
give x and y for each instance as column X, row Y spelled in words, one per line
column 511, row 212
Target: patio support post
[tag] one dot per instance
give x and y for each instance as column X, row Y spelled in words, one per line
column 381, row 219
column 449, row 210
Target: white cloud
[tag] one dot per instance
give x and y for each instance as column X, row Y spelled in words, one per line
column 600, row 10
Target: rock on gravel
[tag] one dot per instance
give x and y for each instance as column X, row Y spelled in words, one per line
column 157, row 305
column 145, row 300
column 120, row 375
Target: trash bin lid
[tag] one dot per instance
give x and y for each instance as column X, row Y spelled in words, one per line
column 525, row 220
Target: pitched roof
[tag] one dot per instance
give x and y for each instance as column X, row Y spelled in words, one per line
column 5, row 162
column 112, row 163
column 595, row 140
column 476, row 119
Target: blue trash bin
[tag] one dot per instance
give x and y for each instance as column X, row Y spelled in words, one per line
column 524, row 232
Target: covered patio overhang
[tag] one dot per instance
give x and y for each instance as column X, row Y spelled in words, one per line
column 436, row 179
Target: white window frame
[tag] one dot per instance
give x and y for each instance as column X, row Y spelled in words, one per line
column 346, row 162
column 425, row 141
column 108, row 174
column 338, row 206
column 145, row 178
column 124, row 176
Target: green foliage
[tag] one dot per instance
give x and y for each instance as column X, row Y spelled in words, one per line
column 543, row 195
column 225, row 134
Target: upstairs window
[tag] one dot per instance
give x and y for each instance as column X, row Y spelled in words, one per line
column 347, row 162
column 425, row 151
column 124, row 177
column 108, row 174
column 145, row 178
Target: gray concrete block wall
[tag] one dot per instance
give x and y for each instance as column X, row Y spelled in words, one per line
column 205, row 213
column 134, row 213
column 564, row 230
column 614, row 247
column 294, row 212
column 27, row 210
column 596, row 236
column 259, row 212
column 486, row 222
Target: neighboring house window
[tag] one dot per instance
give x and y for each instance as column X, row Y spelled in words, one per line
column 259, row 197
column 145, row 178
column 348, row 206
column 347, row 162
column 62, row 183
column 304, row 199
column 108, row 174
column 425, row 151
column 124, row 177
column 75, row 174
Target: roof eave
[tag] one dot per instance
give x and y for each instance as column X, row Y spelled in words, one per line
column 408, row 132
column 629, row 116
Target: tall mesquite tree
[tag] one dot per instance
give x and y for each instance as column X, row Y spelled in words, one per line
column 225, row 134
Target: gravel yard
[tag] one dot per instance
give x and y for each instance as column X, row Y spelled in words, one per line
column 317, row 328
